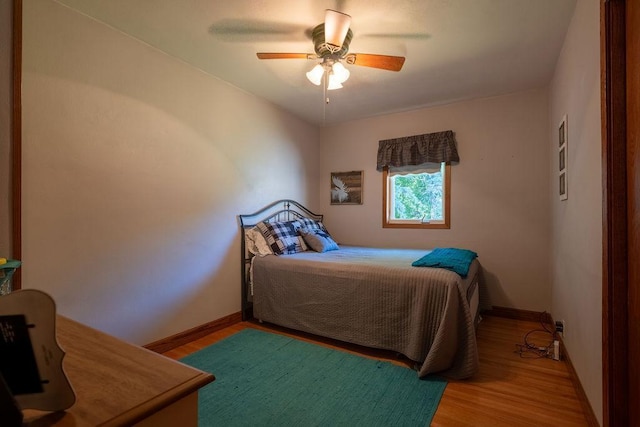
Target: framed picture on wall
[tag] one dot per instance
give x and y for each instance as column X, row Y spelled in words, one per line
column 563, row 159
column 563, row 186
column 346, row 188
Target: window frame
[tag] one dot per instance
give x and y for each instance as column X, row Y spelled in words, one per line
column 446, row 224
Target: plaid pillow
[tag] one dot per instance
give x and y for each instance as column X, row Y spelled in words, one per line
column 309, row 224
column 282, row 237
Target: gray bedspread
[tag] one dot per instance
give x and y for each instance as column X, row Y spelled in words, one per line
column 372, row 297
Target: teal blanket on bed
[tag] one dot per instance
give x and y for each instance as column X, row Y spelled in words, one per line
column 453, row 259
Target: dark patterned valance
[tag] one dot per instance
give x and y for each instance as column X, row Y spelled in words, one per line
column 418, row 149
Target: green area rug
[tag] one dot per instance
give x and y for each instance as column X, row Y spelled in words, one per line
column 265, row 379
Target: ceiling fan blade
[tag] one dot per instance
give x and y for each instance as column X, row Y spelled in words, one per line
column 384, row 62
column 245, row 30
column 269, row 55
column 336, row 26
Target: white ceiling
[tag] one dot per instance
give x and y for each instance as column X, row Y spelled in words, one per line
column 454, row 49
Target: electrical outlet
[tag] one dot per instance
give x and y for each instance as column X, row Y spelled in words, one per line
column 560, row 327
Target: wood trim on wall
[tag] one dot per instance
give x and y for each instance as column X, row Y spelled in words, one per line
column 615, row 371
column 587, row 409
column 16, row 144
column 536, row 316
column 182, row 338
column 517, row 314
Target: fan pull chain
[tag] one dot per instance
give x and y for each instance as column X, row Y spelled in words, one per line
column 325, row 83
column 324, row 113
column 325, row 86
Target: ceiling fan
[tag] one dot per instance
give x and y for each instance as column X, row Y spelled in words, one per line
column 331, row 41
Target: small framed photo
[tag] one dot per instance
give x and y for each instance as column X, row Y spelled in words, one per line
column 562, row 183
column 563, row 159
column 346, row 188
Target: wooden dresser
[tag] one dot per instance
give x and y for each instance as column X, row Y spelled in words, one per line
column 120, row 384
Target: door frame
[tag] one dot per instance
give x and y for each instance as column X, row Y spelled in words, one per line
column 16, row 141
column 620, row 282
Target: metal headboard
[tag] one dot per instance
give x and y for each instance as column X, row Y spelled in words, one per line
column 281, row 210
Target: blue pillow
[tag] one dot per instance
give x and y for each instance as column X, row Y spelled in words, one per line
column 453, row 259
column 318, row 240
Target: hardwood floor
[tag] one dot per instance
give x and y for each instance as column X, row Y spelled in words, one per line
column 509, row 390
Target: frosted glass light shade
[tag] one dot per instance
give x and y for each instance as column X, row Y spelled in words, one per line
column 315, row 75
column 340, row 72
column 333, row 83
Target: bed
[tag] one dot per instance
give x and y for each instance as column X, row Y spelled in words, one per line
column 367, row 296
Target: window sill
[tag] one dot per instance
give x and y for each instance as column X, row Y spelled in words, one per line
column 418, row 225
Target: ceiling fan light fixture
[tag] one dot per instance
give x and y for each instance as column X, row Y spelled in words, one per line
column 315, row 75
column 336, row 27
column 333, row 83
column 340, row 72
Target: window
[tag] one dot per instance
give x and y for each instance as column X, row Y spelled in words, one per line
column 416, row 196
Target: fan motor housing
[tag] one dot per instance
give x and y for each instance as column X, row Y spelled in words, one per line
column 324, row 49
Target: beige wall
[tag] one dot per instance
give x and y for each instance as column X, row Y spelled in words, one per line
column 500, row 189
column 135, row 167
column 576, row 247
column 6, row 82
